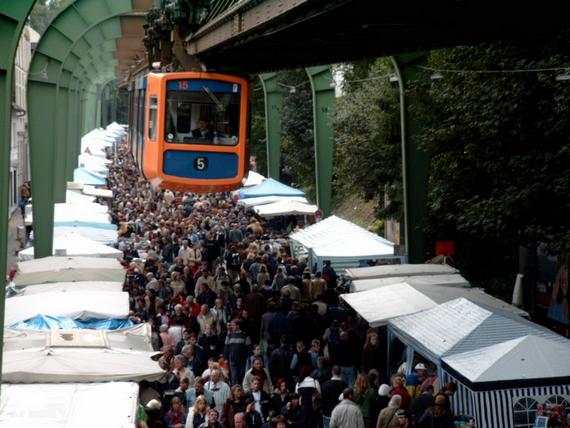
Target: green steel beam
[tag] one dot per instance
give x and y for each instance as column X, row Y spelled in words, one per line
column 75, row 46
column 323, row 111
column 273, row 95
column 13, row 16
column 415, row 162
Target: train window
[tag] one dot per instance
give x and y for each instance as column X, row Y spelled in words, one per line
column 153, row 108
column 202, row 111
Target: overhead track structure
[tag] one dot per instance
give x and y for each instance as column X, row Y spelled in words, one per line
column 86, row 46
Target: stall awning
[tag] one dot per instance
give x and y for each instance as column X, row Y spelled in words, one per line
column 285, row 207
column 388, row 271
column 382, row 304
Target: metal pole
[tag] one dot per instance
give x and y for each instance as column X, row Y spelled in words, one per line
column 273, row 108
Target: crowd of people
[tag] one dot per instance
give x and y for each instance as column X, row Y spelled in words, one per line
column 247, row 335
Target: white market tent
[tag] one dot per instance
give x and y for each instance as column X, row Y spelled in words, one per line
column 459, row 328
column 341, row 242
column 66, row 405
column 382, row 304
column 73, row 244
column 285, row 207
column 73, row 210
column 72, row 287
column 438, row 289
column 388, row 271
column 496, row 380
column 68, row 269
column 253, row 179
column 88, row 304
column 262, row 200
column 79, row 356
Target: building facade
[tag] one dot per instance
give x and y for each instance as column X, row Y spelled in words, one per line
column 19, row 159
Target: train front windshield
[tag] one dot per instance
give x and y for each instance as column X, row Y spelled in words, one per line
column 201, row 111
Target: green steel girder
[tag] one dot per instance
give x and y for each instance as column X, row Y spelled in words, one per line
column 323, row 111
column 415, row 162
column 13, row 16
column 273, row 107
column 75, row 47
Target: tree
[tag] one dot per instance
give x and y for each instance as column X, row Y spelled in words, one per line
column 500, row 153
column 44, row 11
column 367, row 137
column 297, row 143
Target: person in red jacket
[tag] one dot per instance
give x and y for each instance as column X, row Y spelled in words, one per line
column 399, row 387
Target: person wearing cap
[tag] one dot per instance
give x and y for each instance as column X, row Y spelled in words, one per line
column 415, row 380
column 346, row 414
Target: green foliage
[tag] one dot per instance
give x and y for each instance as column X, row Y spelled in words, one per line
column 44, row 11
column 367, row 137
column 258, row 138
column 297, row 143
column 500, row 153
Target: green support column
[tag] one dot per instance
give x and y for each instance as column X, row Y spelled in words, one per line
column 71, row 159
column 273, row 108
column 62, row 144
column 91, row 112
column 323, row 111
column 415, row 162
column 13, row 15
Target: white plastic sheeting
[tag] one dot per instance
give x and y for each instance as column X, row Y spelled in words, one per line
column 72, row 287
column 524, row 358
column 79, row 356
column 285, row 207
column 70, row 405
column 388, row 271
column 73, row 244
column 88, row 304
column 382, row 304
column 79, row 208
column 339, row 241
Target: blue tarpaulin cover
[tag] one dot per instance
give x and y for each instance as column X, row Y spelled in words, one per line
column 270, row 187
column 45, row 322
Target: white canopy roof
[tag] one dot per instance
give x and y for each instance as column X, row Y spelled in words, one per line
column 381, row 304
column 388, row 271
column 334, row 230
column 253, row 179
column 433, row 290
column 66, row 405
column 62, row 209
column 79, row 356
column 93, row 191
column 60, row 273
column 340, row 241
column 73, row 244
column 66, row 263
column 88, row 304
column 452, row 280
column 524, row 358
column 76, row 197
column 262, row 200
column 460, row 325
column 103, row 236
column 72, row 287
column 285, row 207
